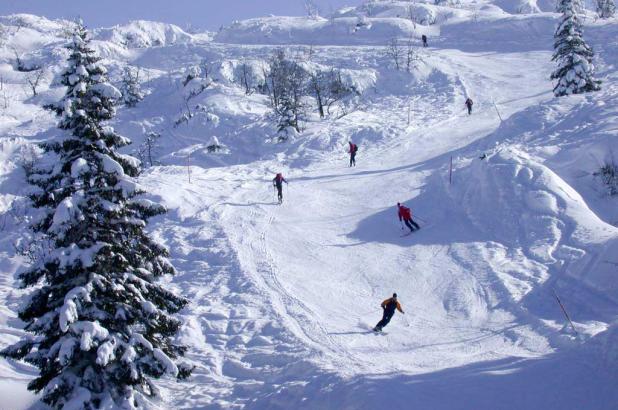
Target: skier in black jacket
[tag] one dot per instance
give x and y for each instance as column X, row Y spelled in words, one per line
column 469, row 104
column 388, row 307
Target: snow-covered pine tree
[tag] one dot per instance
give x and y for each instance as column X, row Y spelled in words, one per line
column 606, row 8
column 575, row 71
column 101, row 328
column 131, row 90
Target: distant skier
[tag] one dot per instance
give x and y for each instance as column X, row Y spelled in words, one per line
column 388, row 310
column 278, row 181
column 353, row 149
column 424, row 38
column 405, row 215
column 469, row 104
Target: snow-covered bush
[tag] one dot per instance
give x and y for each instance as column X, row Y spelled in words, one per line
column 286, row 82
column 606, row 8
column 192, row 72
column 214, row 145
column 196, row 82
column 100, row 326
column 22, row 65
column 447, row 2
column 608, row 177
column 575, row 71
column 528, row 7
column 131, row 89
column 4, row 34
column 422, row 14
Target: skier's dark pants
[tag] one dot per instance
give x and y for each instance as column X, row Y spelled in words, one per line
column 279, row 192
column 469, row 109
column 353, row 159
column 409, row 223
column 386, row 317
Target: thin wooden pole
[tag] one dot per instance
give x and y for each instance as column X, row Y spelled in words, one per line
column 564, row 311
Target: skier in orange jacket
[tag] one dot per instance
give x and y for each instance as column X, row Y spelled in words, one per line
column 388, row 306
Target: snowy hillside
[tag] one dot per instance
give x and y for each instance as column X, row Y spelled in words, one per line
column 283, row 298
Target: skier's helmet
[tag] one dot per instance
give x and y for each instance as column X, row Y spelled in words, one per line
column 394, row 296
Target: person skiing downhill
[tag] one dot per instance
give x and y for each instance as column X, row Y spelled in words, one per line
column 278, row 181
column 353, row 149
column 469, row 104
column 388, row 310
column 405, row 215
column 424, row 38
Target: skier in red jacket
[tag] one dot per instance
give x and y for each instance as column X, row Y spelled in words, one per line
column 353, row 149
column 278, row 181
column 405, row 214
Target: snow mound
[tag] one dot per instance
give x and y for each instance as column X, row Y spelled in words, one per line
column 301, row 30
column 523, row 204
column 143, row 34
column 519, row 6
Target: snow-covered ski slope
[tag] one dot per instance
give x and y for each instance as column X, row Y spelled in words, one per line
column 284, row 297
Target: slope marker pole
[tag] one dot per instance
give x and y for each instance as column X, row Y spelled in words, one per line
column 497, row 111
column 564, row 311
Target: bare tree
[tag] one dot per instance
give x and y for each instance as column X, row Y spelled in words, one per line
column 149, row 148
column 328, row 88
column 33, row 78
column 244, row 78
column 311, row 8
column 411, row 16
column 18, row 61
column 6, row 98
column 395, row 52
column 412, row 56
column 368, row 8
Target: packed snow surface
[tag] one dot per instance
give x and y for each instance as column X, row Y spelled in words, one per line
column 284, row 297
